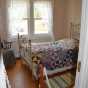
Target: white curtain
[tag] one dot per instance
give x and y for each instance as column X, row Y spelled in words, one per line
column 17, row 11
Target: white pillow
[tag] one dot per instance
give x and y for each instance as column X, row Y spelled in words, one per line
column 67, row 43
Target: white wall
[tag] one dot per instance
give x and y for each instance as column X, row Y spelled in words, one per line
column 3, row 33
column 65, row 12
column 58, row 19
column 73, row 13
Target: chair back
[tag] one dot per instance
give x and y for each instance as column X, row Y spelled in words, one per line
column 7, row 45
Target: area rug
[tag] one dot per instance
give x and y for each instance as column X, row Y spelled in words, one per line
column 62, row 81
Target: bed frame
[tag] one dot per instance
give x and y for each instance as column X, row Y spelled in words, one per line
column 43, row 76
column 75, row 34
column 75, row 31
column 25, row 48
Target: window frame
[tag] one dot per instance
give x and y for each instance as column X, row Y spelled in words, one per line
column 30, row 13
column 44, row 36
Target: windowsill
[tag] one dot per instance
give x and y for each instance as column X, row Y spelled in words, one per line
column 41, row 38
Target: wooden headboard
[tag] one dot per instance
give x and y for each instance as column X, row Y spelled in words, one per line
column 75, row 31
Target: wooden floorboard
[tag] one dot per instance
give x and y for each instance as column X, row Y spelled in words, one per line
column 20, row 76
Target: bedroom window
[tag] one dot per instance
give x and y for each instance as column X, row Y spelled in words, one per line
column 42, row 17
column 17, row 11
column 34, row 17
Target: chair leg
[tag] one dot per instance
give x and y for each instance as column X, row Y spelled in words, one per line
column 41, row 76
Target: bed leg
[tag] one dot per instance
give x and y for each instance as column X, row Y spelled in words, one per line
column 41, row 76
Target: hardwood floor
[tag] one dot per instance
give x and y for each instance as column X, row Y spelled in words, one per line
column 20, row 76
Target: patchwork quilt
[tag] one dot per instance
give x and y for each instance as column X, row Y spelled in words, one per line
column 57, row 54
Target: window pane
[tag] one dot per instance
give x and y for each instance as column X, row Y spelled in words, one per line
column 42, row 17
column 41, row 26
column 17, row 26
column 18, row 11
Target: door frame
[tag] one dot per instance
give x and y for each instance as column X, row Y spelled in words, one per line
column 82, row 76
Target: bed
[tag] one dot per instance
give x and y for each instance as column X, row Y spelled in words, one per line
column 56, row 57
